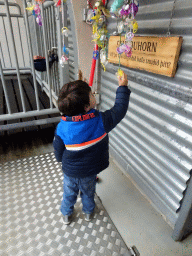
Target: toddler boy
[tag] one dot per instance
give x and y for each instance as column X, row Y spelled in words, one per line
column 81, row 141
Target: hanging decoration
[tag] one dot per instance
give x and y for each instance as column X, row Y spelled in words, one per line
column 40, row 1
column 36, row 11
column 58, row 3
column 65, row 32
column 97, row 17
column 39, row 61
column 95, row 55
column 126, row 10
column 63, row 61
column 116, row 5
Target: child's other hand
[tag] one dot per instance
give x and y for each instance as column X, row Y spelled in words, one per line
column 123, row 80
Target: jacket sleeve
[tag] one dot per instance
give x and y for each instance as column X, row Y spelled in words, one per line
column 59, row 147
column 114, row 115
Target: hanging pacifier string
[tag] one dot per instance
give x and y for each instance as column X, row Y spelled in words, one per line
column 133, row 10
column 120, row 54
column 63, row 21
column 168, row 32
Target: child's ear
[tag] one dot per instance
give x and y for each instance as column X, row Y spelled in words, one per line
column 87, row 108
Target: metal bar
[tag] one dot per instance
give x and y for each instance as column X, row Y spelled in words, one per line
column 15, row 56
column 46, row 56
column 2, row 56
column 28, row 114
column 35, row 34
column 50, row 42
column 23, row 68
column 7, row 43
column 31, row 55
column 40, row 35
column 13, row 4
column 50, row 27
column 42, row 49
column 48, row 4
column 12, row 15
column 53, row 45
column 59, row 48
column 47, row 29
column 47, row 44
column 21, row 41
column 54, row 71
column 47, row 87
column 4, row 87
column 29, row 123
column 74, row 36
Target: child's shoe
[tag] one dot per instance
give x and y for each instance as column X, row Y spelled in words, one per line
column 67, row 219
column 88, row 217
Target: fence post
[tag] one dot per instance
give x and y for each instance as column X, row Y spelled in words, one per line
column 4, row 87
column 46, row 56
column 15, row 56
column 31, row 55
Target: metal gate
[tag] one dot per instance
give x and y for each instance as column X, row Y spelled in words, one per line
column 21, row 38
column 153, row 143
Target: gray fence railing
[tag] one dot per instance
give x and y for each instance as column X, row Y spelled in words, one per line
column 21, row 38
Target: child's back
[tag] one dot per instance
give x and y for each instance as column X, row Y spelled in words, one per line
column 81, row 140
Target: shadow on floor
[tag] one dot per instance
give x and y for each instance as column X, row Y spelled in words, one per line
column 26, row 143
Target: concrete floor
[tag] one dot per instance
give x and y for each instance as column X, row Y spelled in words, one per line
column 136, row 220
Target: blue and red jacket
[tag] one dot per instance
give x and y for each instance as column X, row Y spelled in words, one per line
column 81, row 142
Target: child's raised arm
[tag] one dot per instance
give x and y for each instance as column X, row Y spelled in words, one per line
column 114, row 115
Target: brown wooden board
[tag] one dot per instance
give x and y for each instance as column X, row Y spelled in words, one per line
column 155, row 54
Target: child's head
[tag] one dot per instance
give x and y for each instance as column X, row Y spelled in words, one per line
column 75, row 98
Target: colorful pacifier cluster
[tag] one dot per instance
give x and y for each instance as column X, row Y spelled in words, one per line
column 64, row 58
column 97, row 17
column 65, row 33
column 36, row 11
column 126, row 10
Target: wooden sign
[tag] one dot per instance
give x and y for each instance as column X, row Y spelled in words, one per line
column 151, row 53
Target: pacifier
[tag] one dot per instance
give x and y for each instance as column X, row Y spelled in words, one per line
column 65, row 31
column 119, row 73
column 120, row 27
column 39, row 20
column 63, row 61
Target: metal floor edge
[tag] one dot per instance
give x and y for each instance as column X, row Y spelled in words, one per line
column 31, row 223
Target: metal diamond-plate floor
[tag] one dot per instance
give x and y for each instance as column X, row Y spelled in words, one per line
column 31, row 222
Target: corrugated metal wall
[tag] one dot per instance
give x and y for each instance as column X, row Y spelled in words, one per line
column 153, row 143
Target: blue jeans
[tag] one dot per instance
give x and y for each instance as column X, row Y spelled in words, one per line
column 71, row 187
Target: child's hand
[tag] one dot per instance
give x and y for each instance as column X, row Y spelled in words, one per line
column 123, row 80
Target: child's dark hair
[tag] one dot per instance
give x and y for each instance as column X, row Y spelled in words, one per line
column 73, row 98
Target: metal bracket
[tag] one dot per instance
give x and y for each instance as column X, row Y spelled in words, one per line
column 97, row 98
column 132, row 251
